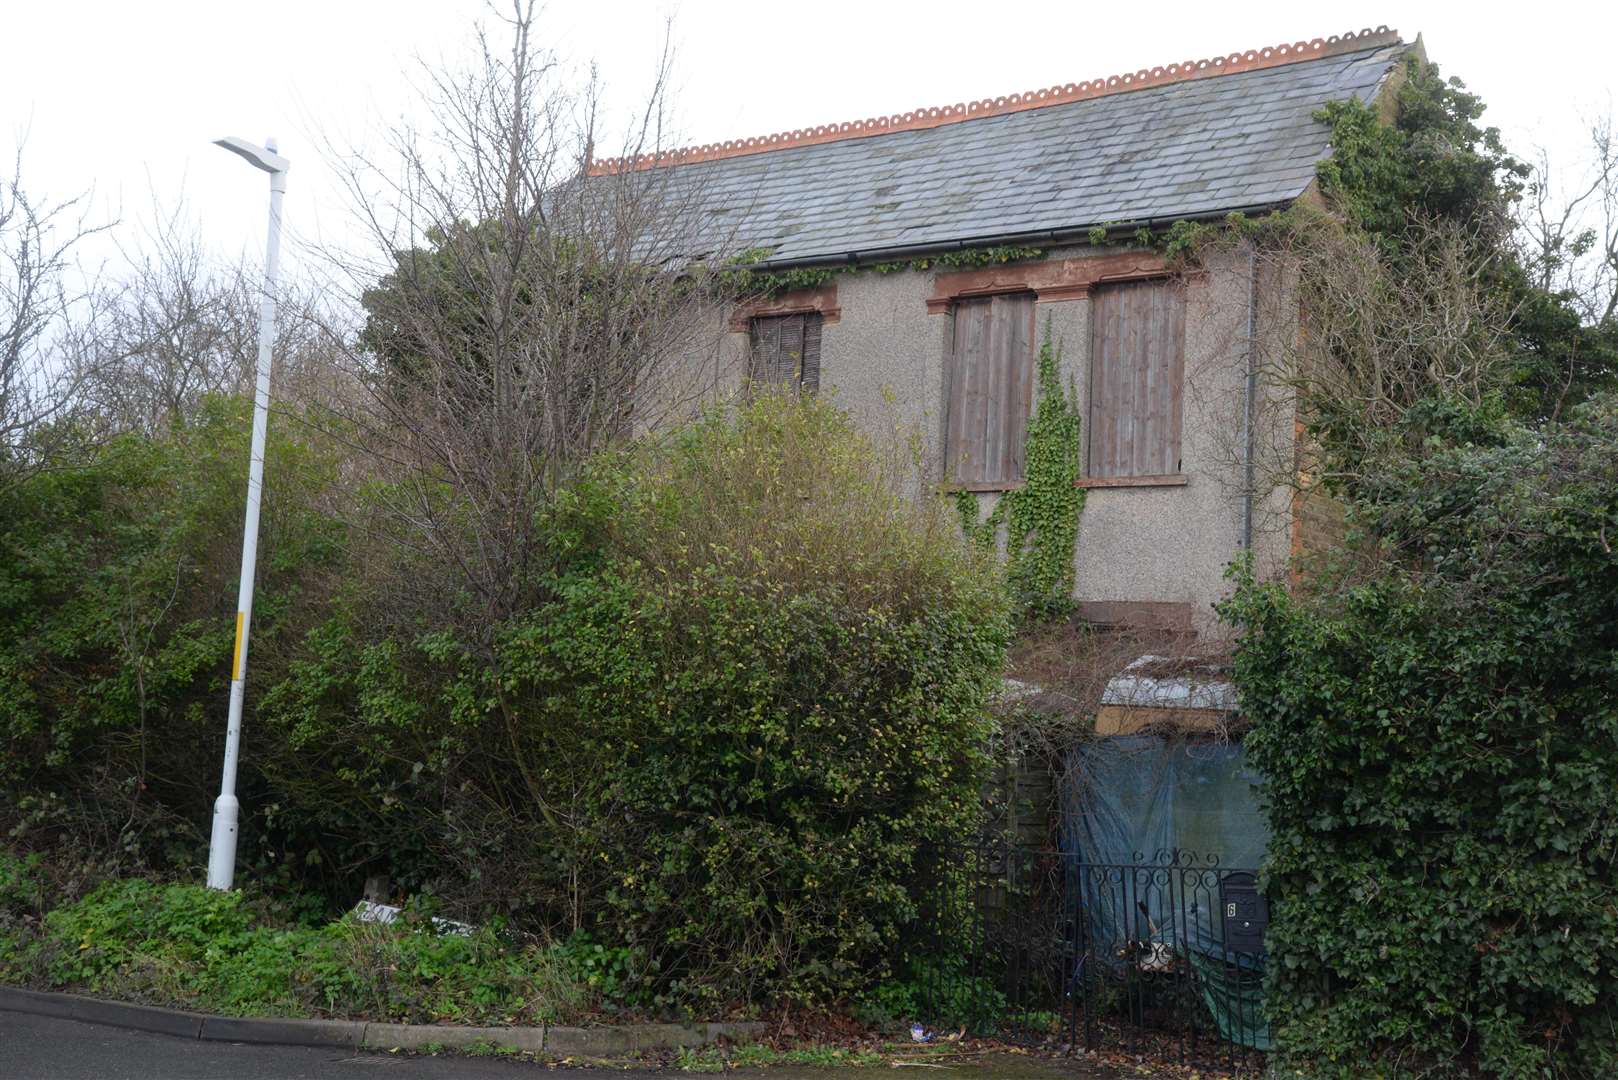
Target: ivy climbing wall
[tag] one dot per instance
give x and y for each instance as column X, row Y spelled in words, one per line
column 883, row 357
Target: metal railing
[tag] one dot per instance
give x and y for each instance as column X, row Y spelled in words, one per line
column 1161, row 957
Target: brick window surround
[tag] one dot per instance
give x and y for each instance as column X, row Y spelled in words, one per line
column 821, row 301
column 1048, row 279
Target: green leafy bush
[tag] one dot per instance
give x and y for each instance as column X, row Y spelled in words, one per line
column 117, row 598
column 794, row 698
column 20, row 891
column 937, row 992
column 754, row 688
column 613, row 973
column 746, row 688
column 1439, row 736
column 104, row 933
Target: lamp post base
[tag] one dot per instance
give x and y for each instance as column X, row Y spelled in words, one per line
column 222, row 848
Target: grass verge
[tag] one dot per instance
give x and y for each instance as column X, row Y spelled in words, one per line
column 239, row 954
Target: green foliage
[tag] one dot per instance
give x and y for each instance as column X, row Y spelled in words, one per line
column 1041, row 518
column 1183, row 239
column 939, row 992
column 20, row 891
column 755, row 688
column 103, row 934
column 1390, row 180
column 746, row 687
column 237, row 954
column 740, row 279
column 615, row 974
column 1434, row 160
column 117, row 598
column 796, row 708
column 1438, row 741
column 966, row 258
column 456, row 309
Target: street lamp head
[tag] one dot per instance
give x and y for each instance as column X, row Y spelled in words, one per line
column 261, row 157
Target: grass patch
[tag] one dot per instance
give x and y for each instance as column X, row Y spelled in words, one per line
column 234, row 954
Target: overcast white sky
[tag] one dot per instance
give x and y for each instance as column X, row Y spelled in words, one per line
column 125, row 96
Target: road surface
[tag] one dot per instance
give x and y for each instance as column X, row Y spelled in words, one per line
column 44, row 1048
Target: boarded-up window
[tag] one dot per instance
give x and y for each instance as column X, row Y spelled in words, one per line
column 991, row 382
column 786, row 351
column 1137, row 367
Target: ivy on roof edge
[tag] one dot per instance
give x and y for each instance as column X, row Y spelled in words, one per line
column 768, row 283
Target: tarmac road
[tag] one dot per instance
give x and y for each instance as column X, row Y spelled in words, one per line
column 45, row 1048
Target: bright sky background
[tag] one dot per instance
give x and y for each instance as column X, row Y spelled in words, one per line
column 125, row 96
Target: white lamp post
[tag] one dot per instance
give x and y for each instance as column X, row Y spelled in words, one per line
column 226, row 810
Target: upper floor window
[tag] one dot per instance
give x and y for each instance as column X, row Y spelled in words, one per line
column 1137, row 375
column 991, row 384
column 785, row 351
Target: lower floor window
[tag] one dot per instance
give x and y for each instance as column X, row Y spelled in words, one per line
column 785, row 351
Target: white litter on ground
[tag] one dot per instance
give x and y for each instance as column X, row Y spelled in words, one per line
column 387, row 913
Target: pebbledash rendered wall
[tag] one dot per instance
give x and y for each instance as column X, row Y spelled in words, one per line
column 1152, row 554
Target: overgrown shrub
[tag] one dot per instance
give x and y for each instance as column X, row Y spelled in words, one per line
column 1439, row 737
column 941, row 992
column 752, row 694
column 20, row 892
column 117, row 594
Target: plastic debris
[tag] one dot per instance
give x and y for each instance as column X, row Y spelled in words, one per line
column 370, row 912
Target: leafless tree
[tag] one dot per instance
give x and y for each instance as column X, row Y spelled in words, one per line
column 40, row 292
column 175, row 326
column 1348, row 336
column 523, row 311
column 1567, row 226
column 163, row 332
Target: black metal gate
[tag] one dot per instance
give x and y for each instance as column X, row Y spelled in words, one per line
column 1161, row 957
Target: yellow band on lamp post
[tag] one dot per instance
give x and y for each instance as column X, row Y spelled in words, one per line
column 236, row 653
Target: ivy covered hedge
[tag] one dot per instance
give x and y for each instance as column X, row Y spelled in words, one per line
column 1438, row 729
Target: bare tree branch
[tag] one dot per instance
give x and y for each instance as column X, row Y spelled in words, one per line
column 1567, row 225
column 39, row 296
column 522, row 314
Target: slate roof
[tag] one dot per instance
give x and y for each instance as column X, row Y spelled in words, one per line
column 1245, row 139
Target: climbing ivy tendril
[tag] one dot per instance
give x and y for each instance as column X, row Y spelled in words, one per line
column 1041, row 518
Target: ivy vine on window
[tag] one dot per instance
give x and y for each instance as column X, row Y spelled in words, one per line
column 1041, row 518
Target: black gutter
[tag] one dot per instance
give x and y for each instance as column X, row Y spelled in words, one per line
column 1041, row 237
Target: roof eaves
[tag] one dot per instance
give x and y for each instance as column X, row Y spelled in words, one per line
column 1035, row 238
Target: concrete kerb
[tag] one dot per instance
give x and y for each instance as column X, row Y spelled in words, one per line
column 109, row 1013
column 451, row 1037
column 276, row 1032
column 545, row 1041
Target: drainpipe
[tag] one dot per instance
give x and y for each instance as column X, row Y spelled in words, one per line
column 1250, row 400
